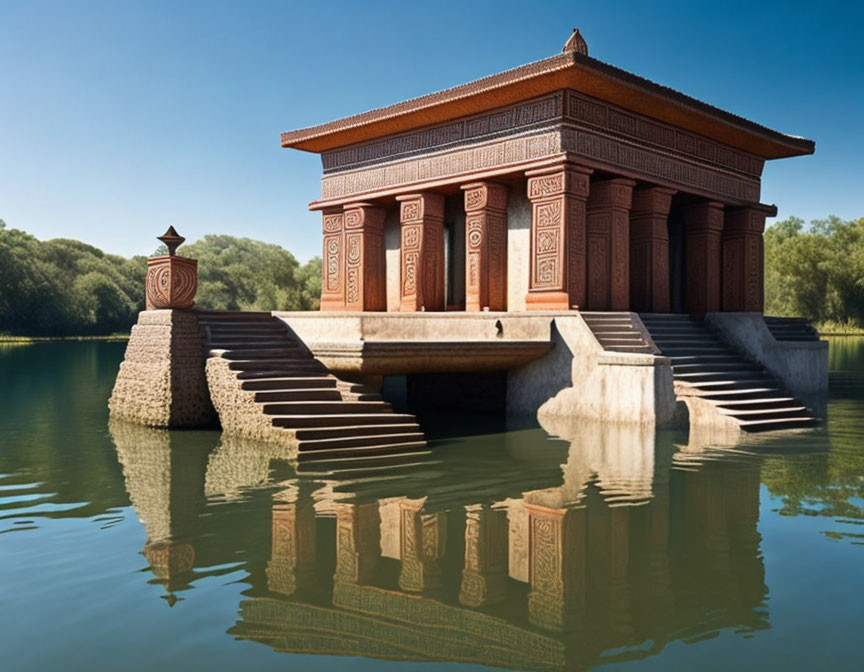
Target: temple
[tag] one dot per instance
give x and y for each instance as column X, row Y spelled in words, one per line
column 561, row 240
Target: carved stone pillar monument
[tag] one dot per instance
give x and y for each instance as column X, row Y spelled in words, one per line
column 172, row 281
column 485, row 246
column 703, row 229
column 608, row 244
column 422, row 253
column 365, row 283
column 557, row 275
column 333, row 261
column 744, row 258
column 649, row 250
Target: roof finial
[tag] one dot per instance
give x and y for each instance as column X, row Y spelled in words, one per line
column 172, row 240
column 576, row 43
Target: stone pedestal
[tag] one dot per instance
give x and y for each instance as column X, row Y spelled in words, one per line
column 422, row 253
column 703, row 229
column 608, row 246
column 557, row 275
column 486, row 246
column 171, row 282
column 743, row 259
column 649, row 250
column 161, row 382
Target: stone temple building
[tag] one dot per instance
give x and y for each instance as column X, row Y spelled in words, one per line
column 561, row 241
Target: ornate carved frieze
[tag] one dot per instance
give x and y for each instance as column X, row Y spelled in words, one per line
column 743, row 259
column 649, row 250
column 703, row 229
column 422, row 253
column 557, row 269
column 608, row 240
column 485, row 246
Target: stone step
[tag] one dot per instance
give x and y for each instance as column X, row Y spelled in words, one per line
column 759, row 402
column 731, row 384
column 716, row 367
column 704, row 359
column 315, row 421
column 362, row 451
column 290, row 383
column 606, row 342
column 684, row 341
column 778, row 424
column 298, row 371
column 356, row 431
column 249, row 344
column 736, row 374
column 766, row 413
column 739, row 394
column 299, row 394
column 641, row 347
column 616, row 333
column 234, row 315
column 280, row 364
column 360, row 441
column 324, row 407
column 692, row 350
column 268, row 354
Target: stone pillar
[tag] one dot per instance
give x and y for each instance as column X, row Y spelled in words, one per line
column 649, row 250
column 557, row 280
column 608, row 241
column 358, row 541
column 333, row 263
column 422, row 253
column 421, row 544
column 485, row 246
column 365, row 281
column 292, row 561
column 744, row 259
column 556, row 565
column 484, row 578
column 703, row 229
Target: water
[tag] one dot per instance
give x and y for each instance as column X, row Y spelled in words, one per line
column 123, row 548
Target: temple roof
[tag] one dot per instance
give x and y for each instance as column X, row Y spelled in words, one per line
column 569, row 70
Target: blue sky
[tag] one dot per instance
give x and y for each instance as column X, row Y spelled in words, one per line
column 120, row 118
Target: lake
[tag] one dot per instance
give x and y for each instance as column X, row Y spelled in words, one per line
column 123, row 548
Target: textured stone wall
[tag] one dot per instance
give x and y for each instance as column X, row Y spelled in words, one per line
column 161, row 381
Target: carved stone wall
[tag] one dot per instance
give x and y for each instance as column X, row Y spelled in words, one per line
column 485, row 246
column 608, row 245
column 557, row 279
column 161, row 382
column 421, row 252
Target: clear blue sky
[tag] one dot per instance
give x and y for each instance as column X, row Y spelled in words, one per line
column 120, row 118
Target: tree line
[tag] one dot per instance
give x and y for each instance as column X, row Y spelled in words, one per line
column 64, row 287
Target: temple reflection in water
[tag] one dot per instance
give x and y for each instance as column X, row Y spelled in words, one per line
column 604, row 545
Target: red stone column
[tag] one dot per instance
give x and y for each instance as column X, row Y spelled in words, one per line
column 485, row 246
column 608, row 240
column 649, row 250
column 557, row 280
column 365, row 282
column 703, row 229
column 744, row 259
column 422, row 252
column 333, row 261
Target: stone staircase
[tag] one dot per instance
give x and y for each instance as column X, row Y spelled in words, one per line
column 705, row 366
column 618, row 332
column 266, row 384
column 791, row 329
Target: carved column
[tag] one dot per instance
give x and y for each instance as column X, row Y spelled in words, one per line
column 608, row 236
column 649, row 250
column 365, row 282
column 485, row 246
column 703, row 229
column 422, row 263
column 556, row 548
column 421, row 543
column 292, row 562
column 557, row 280
column 744, row 258
column 333, row 263
column 358, row 532
column 484, row 578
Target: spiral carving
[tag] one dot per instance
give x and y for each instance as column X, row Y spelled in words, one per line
column 171, row 283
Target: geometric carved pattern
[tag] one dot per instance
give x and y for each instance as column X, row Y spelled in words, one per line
column 422, row 252
column 743, row 259
column 485, row 246
column 608, row 234
column 649, row 250
column 703, row 228
column 557, row 268
column 333, row 266
column 171, row 282
column 365, row 287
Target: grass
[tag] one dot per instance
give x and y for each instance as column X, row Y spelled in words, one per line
column 829, row 328
column 6, row 339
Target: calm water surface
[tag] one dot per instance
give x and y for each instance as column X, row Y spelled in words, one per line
column 123, row 548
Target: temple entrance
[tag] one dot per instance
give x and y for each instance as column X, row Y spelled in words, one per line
column 677, row 268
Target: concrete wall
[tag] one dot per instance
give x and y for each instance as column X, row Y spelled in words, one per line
column 579, row 379
column 801, row 366
column 518, row 248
